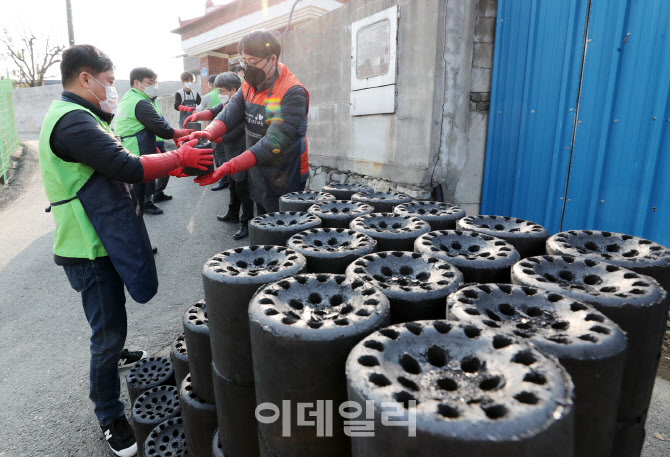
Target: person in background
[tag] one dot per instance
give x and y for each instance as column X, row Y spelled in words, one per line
column 100, row 238
column 233, row 144
column 210, row 99
column 186, row 98
column 138, row 122
column 238, row 70
column 161, row 183
column 273, row 105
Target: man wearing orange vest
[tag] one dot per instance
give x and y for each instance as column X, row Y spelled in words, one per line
column 273, row 105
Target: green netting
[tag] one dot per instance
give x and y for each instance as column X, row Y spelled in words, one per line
column 9, row 137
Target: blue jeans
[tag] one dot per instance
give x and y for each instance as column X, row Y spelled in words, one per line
column 104, row 300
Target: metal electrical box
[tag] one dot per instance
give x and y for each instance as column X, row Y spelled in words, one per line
column 374, row 52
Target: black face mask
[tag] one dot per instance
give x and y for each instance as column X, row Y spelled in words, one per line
column 255, row 76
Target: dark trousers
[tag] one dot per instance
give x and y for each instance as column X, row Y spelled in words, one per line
column 219, row 155
column 104, row 303
column 260, row 210
column 239, row 198
column 161, row 184
column 144, row 191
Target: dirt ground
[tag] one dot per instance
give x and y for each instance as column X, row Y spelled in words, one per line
column 664, row 365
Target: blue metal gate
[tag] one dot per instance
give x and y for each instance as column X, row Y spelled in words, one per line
column 579, row 124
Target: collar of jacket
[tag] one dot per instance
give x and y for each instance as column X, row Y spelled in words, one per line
column 266, row 85
column 74, row 98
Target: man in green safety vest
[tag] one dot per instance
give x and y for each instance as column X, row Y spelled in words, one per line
column 100, row 239
column 139, row 124
column 211, row 99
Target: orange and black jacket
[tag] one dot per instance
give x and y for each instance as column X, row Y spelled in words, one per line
column 275, row 120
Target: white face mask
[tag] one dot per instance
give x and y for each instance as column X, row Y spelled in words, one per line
column 224, row 98
column 111, row 100
column 151, row 91
column 188, row 85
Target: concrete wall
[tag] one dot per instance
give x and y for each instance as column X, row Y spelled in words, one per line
column 468, row 60
column 434, row 136
column 460, row 166
column 31, row 104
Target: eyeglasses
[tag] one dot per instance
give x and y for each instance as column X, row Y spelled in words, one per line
column 244, row 63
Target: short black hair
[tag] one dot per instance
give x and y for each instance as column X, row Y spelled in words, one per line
column 228, row 81
column 260, row 43
column 140, row 73
column 236, row 67
column 187, row 75
column 211, row 79
column 83, row 57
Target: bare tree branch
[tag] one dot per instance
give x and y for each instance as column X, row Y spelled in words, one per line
column 27, row 60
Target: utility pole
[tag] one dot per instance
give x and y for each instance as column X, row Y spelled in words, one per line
column 70, row 30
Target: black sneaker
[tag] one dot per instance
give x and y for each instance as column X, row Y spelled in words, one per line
column 130, row 358
column 120, row 437
column 153, row 209
column 162, row 197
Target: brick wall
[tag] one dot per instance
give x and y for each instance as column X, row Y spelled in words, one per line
column 214, row 66
column 482, row 55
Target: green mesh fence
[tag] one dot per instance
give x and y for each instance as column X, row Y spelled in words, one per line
column 9, row 137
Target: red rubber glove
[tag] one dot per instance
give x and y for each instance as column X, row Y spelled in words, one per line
column 186, row 108
column 159, row 165
column 178, row 133
column 213, row 131
column 197, row 135
column 178, row 173
column 242, row 162
column 195, row 158
column 206, row 115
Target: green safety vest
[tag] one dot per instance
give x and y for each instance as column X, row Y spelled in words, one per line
column 214, row 98
column 74, row 235
column 126, row 124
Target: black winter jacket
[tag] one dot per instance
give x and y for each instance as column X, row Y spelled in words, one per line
column 76, row 137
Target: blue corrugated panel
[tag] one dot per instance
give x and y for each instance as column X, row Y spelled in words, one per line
column 621, row 146
column 619, row 164
column 533, row 95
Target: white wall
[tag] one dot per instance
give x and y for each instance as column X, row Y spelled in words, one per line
column 32, row 103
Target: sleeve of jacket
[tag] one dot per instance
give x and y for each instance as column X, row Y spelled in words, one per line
column 288, row 120
column 147, row 115
column 177, row 100
column 216, row 110
column 78, row 137
column 234, row 134
column 232, row 113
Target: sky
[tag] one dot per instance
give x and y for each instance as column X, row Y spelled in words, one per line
column 134, row 33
